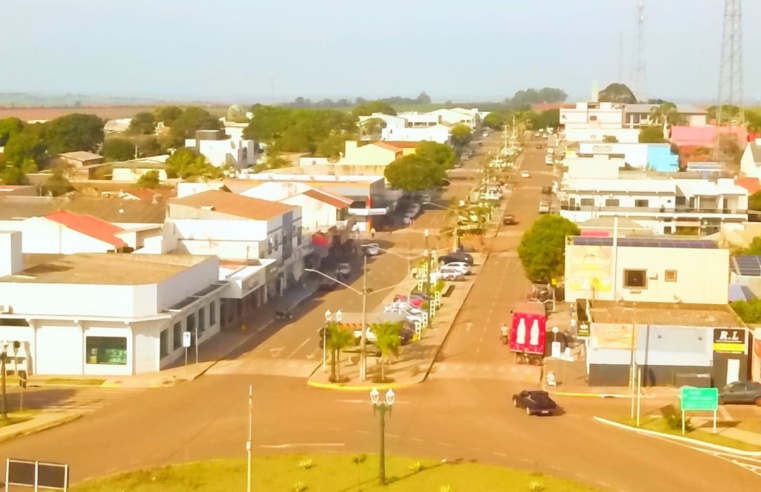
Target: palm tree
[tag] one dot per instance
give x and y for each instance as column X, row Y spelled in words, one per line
column 338, row 339
column 388, row 336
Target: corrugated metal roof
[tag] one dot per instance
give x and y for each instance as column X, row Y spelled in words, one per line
column 665, row 314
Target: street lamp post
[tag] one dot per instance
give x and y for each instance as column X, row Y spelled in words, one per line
column 338, row 316
column 4, row 409
column 381, row 408
column 250, row 431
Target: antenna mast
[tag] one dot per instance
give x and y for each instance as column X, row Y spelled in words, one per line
column 731, row 70
column 640, row 66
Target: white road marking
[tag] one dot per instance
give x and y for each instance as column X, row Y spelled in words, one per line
column 556, row 468
column 581, row 475
column 478, row 350
column 363, row 432
column 468, row 326
column 393, row 436
column 724, row 413
column 416, row 439
column 501, row 455
column 303, row 445
column 275, row 352
column 604, row 484
column 298, row 348
column 367, row 402
column 525, row 460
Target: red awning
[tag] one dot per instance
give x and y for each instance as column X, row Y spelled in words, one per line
column 320, row 240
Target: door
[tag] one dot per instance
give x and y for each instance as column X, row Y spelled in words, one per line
column 733, row 370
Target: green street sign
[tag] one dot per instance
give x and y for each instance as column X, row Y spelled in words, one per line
column 700, row 398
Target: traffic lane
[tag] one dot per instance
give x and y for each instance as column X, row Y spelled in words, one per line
column 299, row 339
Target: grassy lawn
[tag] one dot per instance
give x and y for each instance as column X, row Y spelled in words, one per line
column 17, row 417
column 331, row 473
column 74, row 382
column 705, row 434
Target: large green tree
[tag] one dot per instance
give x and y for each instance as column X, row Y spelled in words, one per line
column 460, row 135
column 143, row 123
column 8, row 128
column 754, row 202
column 651, row 134
column 118, row 149
column 167, row 114
column 368, row 108
column 187, row 164
column 414, row 173
column 525, row 98
column 186, row 125
column 440, row 154
column 339, row 338
column 495, row 120
column 74, row 132
column 23, row 147
column 617, row 93
column 542, row 247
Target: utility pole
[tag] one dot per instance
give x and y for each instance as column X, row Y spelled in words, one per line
column 730, row 72
column 250, row 431
column 363, row 339
column 640, row 63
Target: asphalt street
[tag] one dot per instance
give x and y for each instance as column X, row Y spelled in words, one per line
column 468, row 418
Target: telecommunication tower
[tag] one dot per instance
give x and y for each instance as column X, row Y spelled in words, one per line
column 640, row 66
column 731, row 69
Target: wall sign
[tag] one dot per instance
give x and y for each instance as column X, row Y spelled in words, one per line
column 729, row 340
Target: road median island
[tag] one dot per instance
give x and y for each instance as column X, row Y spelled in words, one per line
column 307, row 473
column 671, row 428
column 33, row 421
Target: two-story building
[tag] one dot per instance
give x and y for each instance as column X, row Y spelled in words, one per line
column 437, row 133
column 594, row 121
column 221, row 150
column 241, row 228
column 644, row 306
column 638, row 115
column 103, row 314
column 658, row 157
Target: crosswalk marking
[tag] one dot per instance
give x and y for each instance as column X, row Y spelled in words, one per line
column 265, row 367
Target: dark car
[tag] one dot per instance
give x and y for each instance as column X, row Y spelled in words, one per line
column 535, row 402
column 547, row 190
column 327, row 285
column 509, row 220
column 457, row 256
column 741, row 392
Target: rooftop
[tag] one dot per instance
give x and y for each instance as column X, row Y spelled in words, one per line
column 81, row 156
column 227, row 203
column 643, row 242
column 102, row 269
column 116, row 211
column 665, row 314
column 89, row 226
column 332, row 199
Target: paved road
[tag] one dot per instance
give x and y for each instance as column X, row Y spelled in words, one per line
column 446, row 417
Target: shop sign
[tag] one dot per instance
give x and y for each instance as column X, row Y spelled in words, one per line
column 584, row 331
column 251, row 283
column 729, row 340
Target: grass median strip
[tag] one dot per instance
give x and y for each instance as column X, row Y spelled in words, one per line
column 73, row 382
column 17, row 417
column 312, row 473
column 673, row 427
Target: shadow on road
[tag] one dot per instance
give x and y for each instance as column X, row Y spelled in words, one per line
column 39, row 399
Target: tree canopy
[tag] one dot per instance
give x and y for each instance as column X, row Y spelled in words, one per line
column 440, row 154
column 8, row 128
column 118, row 149
column 167, row 114
column 149, row 180
column 542, row 247
column 143, row 123
column 651, row 134
column 73, row 132
column 414, row 173
column 57, row 184
column 748, row 311
column 371, row 107
column 460, row 135
column 186, row 163
column 527, row 97
column 754, row 203
column 187, row 123
column 300, row 130
column 617, row 93
column 24, row 147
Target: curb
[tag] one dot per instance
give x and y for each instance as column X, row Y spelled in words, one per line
column 591, row 395
column 347, row 388
column 449, row 330
column 717, row 447
column 39, row 428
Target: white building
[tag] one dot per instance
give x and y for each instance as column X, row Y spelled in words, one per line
column 222, row 151
column 437, row 133
column 65, row 232
column 594, row 121
column 413, row 119
column 662, row 203
column 470, row 117
column 103, row 314
column 750, row 163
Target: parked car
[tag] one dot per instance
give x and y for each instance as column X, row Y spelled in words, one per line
column 547, row 190
column 741, row 392
column 451, row 275
column 327, row 285
column 525, row 174
column 459, row 266
column 535, row 402
column 425, row 198
column 456, row 257
column 509, row 219
column 371, row 249
column 343, row 270
column 544, row 207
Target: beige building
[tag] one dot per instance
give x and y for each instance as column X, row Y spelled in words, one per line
column 646, row 269
column 131, row 171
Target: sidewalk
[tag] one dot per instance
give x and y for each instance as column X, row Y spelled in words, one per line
column 414, row 362
column 219, row 346
column 38, row 423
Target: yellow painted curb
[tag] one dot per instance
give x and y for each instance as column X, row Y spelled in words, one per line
column 109, row 385
column 344, row 387
column 590, row 395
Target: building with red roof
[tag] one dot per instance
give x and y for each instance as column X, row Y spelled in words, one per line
column 65, row 232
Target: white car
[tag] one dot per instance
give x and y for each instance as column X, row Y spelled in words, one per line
column 425, row 198
column 397, row 307
column 451, row 275
column 548, row 160
column 550, row 150
column 525, row 174
column 459, row 265
column 453, row 270
column 544, row 207
column 371, row 249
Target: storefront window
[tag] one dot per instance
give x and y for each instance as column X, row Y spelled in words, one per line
column 106, row 350
column 177, row 335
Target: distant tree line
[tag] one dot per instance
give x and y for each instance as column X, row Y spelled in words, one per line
column 306, row 103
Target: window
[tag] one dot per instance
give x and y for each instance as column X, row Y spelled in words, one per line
column 641, row 203
column 106, row 350
column 681, row 201
column 635, row 279
column 299, row 233
column 593, row 118
column 587, row 202
column 177, row 335
column 212, row 313
column 611, row 202
column 201, row 321
column 164, row 343
column 670, row 276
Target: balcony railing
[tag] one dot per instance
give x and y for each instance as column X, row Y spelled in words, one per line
column 653, row 210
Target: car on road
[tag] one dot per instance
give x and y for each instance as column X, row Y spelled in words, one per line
column 451, row 275
column 525, row 174
column 741, row 392
column 371, row 249
column 457, row 265
column 425, row 198
column 544, row 207
column 509, row 219
column 327, row 285
column 457, row 256
column 546, row 190
column 550, row 151
column 535, row 402
column 343, row 270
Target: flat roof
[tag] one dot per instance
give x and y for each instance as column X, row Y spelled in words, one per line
column 665, row 314
column 644, row 242
column 102, row 269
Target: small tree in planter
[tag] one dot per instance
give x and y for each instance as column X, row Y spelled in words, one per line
column 389, row 340
column 338, row 339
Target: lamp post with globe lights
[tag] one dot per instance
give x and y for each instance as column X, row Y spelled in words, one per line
column 381, row 408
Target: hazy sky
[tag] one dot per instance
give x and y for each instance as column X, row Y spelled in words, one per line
column 452, row 49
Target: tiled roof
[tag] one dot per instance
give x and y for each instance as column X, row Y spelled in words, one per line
column 89, row 226
column 665, row 314
column 750, row 184
column 387, row 146
column 332, row 199
column 114, row 210
column 704, row 136
column 227, row 203
column 402, row 145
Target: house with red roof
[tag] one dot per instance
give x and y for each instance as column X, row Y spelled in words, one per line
column 705, row 136
column 750, row 163
column 65, row 232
